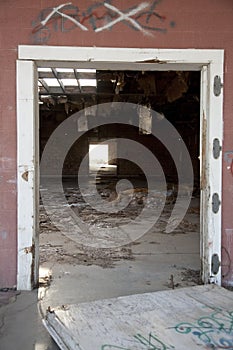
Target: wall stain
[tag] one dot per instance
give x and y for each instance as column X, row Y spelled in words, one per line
column 3, row 235
column 228, row 157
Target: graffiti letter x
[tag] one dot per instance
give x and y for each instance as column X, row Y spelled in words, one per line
column 124, row 17
column 56, row 10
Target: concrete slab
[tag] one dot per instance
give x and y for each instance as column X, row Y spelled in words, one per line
column 21, row 326
column 7, row 296
column 191, row 318
column 145, row 266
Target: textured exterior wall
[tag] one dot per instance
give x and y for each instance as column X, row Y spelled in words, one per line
column 206, row 24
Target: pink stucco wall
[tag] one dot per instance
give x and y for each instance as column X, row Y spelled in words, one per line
column 206, row 24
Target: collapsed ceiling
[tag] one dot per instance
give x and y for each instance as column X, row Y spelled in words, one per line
column 79, row 88
column 174, row 94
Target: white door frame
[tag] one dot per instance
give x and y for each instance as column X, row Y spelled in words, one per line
column 209, row 62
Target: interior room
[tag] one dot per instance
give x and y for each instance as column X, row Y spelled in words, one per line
column 157, row 260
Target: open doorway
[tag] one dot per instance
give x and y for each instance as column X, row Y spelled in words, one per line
column 157, row 260
column 98, row 157
column 101, row 158
column 125, row 168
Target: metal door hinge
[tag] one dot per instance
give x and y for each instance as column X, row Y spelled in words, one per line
column 216, row 148
column 215, row 264
column 215, row 203
column 217, row 85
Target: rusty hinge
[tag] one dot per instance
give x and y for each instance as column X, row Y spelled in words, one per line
column 218, row 85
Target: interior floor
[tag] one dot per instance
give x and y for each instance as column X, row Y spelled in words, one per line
column 156, row 261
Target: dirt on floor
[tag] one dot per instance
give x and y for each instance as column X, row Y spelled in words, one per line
column 64, row 250
column 57, row 247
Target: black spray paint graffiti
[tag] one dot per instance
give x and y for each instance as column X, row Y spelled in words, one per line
column 99, row 17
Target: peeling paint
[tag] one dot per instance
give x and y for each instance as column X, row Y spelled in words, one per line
column 28, row 250
column 34, row 283
column 25, row 176
column 203, row 180
column 153, row 60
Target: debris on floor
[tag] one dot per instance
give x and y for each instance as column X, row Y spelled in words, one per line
column 75, row 254
column 193, row 276
column 45, row 277
column 58, row 248
column 137, row 198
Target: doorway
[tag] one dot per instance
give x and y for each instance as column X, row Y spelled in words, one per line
column 98, row 156
column 205, row 125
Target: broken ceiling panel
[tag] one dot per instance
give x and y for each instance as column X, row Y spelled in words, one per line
column 177, row 87
column 78, row 86
column 66, row 80
column 147, row 83
column 145, row 120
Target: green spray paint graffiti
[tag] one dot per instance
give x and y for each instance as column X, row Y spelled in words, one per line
column 152, row 342
column 214, row 330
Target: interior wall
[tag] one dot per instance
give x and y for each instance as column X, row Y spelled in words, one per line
column 81, row 148
column 169, row 24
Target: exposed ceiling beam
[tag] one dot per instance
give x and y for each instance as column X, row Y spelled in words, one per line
column 45, row 86
column 59, row 81
column 76, row 77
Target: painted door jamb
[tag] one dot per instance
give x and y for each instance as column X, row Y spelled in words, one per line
column 209, row 62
